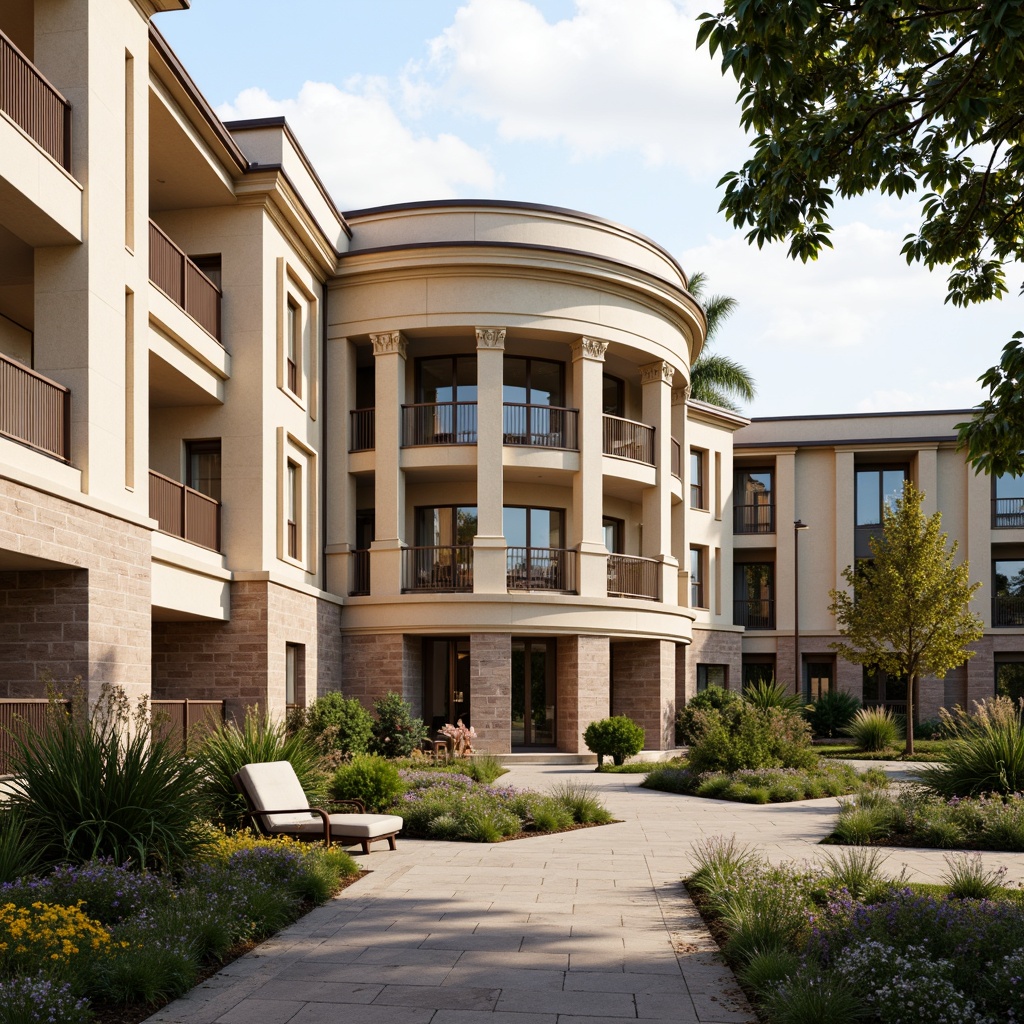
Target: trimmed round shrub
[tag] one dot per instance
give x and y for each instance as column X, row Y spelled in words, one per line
column 832, row 712
column 874, row 729
column 369, row 778
column 617, row 737
column 713, row 697
column 340, row 724
column 396, row 733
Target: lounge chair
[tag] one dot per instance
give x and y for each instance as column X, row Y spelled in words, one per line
column 278, row 806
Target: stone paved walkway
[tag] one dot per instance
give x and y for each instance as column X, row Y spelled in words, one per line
column 587, row 926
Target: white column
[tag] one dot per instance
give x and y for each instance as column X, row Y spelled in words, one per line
column 656, row 382
column 588, row 483
column 389, row 483
column 489, row 575
column 680, row 543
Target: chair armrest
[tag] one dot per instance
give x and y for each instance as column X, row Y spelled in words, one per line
column 354, row 802
column 324, row 817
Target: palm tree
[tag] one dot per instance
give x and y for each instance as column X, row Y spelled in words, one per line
column 715, row 378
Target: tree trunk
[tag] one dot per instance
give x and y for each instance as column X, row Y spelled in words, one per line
column 911, row 679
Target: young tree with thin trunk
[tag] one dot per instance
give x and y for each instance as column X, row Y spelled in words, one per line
column 907, row 607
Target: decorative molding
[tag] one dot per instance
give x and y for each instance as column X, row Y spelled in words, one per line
column 490, row 337
column 680, row 396
column 589, row 348
column 654, row 373
column 385, row 344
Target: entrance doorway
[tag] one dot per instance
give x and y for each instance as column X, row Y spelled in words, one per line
column 533, row 692
column 445, row 681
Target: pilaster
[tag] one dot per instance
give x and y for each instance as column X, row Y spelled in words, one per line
column 489, row 559
column 656, row 383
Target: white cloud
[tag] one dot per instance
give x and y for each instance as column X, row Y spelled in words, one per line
column 614, row 77
column 361, row 149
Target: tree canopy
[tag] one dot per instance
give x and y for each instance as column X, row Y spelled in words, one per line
column 907, row 607
column 845, row 98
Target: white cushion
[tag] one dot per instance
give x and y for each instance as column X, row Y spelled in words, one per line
column 274, row 784
column 354, row 826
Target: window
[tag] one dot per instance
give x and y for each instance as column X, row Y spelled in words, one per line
column 878, row 489
column 754, row 595
column 1009, row 677
column 445, row 525
column 533, row 381
column 881, row 690
column 698, row 499
column 533, row 394
column 536, row 558
column 1008, row 590
column 446, row 395
column 293, row 507
column 819, row 675
column 202, row 467
column 758, row 668
column 712, row 675
column 697, row 578
column 293, row 345
column 294, row 674
column 210, row 266
column 613, row 393
column 754, row 503
column 614, row 532
column 1008, row 503
column 443, row 557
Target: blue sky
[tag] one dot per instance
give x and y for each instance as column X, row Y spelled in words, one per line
column 603, row 106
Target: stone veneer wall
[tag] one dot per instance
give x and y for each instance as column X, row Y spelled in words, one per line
column 371, row 665
column 584, row 687
column 91, row 619
column 644, row 688
column 708, row 647
column 490, row 690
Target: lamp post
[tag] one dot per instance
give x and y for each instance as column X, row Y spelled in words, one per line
column 798, row 525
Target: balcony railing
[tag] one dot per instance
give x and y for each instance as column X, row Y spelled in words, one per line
column 631, row 576
column 697, row 593
column 759, row 518
column 362, row 430
column 1008, row 612
column 540, row 426
column 756, row 613
column 29, row 100
column 677, row 459
column 34, row 410
column 183, row 282
column 438, row 568
column 439, row 423
column 360, row 572
column 184, row 512
column 628, row 439
column 1007, row 513
column 541, row 569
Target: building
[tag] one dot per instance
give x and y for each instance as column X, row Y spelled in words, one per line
column 253, row 449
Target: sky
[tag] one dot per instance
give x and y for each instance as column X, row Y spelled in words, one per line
column 603, row 106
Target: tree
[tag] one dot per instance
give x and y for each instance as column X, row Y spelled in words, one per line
column 715, row 378
column 907, row 607
column 845, row 98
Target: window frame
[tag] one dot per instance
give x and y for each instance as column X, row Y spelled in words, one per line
column 698, row 479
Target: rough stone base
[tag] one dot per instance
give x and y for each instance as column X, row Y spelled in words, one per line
column 644, row 688
column 708, row 647
column 584, row 687
column 490, row 688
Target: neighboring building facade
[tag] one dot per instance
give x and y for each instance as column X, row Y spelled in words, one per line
column 253, row 450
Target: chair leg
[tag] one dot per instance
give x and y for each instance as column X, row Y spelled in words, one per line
column 391, row 842
column 366, row 847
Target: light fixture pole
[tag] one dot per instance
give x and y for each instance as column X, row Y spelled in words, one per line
column 798, row 525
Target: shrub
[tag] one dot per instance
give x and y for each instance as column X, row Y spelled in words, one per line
column 813, row 999
column 712, row 697
column 36, row 999
column 832, row 712
column 485, row 768
column 767, row 693
column 721, row 864
column 765, row 970
column 929, row 729
column 617, row 737
column 105, row 787
column 874, row 729
column 339, row 724
column 396, row 733
column 968, row 880
column 369, row 778
column 743, row 736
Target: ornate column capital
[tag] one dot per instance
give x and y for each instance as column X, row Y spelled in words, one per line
column 680, row 396
column 652, row 373
column 589, row 348
column 490, row 337
column 392, row 341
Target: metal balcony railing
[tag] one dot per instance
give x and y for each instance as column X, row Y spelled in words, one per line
column 438, row 568
column 184, row 512
column 1008, row 612
column 632, row 576
column 541, row 569
column 757, row 518
column 756, row 613
column 540, row 426
column 439, row 423
column 1007, row 513
column 34, row 105
column 34, row 410
column 360, row 572
column 628, row 439
column 362, row 430
column 183, row 282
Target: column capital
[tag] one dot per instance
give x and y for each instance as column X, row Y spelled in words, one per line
column 661, row 371
column 386, row 344
column 589, row 348
column 490, row 337
column 680, row 396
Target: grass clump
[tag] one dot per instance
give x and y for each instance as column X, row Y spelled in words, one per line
column 968, row 878
column 874, row 729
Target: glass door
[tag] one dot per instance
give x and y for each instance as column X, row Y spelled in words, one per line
column 445, row 682
column 533, row 693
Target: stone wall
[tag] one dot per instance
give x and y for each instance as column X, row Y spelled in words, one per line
column 584, row 691
column 490, row 689
column 708, row 647
column 371, row 665
column 644, row 688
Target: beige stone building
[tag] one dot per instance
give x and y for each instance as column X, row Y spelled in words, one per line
column 253, row 449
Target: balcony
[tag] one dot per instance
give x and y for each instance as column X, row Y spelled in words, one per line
column 360, row 573
column 362, row 430
column 439, row 423
column 34, row 410
column 540, row 426
column 755, row 613
column 757, row 518
column 183, row 282
column 447, row 568
column 184, row 512
column 1007, row 513
column 631, row 576
column 628, row 439
column 552, row 569
column 29, row 100
column 1008, row 612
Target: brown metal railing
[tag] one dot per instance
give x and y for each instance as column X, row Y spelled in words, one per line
column 677, row 459
column 541, row 569
column 756, row 518
column 34, row 410
column 1007, row 513
column 697, row 593
column 540, row 426
column 438, row 568
column 628, row 439
column 439, row 423
column 183, row 282
column 362, row 430
column 29, row 100
column 185, row 722
column 19, row 718
column 757, row 613
column 1008, row 611
column 631, row 576
column 184, row 512
column 360, row 572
